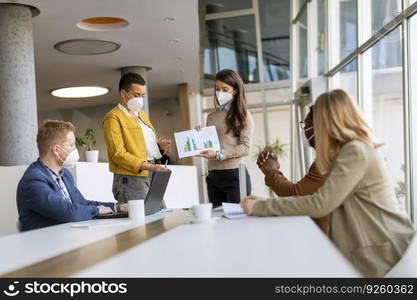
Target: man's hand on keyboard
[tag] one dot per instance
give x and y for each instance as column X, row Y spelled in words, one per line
column 104, row 210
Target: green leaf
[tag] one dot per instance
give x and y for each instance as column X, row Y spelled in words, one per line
column 90, row 138
column 276, row 148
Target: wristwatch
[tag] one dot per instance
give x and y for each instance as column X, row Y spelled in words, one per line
column 117, row 207
column 220, row 155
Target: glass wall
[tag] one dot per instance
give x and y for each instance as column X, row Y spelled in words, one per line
column 388, row 107
column 303, row 44
column 275, row 38
column 216, row 6
column 231, row 44
column 348, row 27
column 383, row 11
column 367, row 48
column 246, row 38
column 322, row 37
column 347, row 79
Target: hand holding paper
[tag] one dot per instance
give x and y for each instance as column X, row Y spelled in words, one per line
column 193, row 142
column 208, row 154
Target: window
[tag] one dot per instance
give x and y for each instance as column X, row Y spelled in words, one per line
column 322, row 37
column 347, row 80
column 275, row 35
column 216, row 6
column 302, row 51
column 388, row 107
column 374, row 74
column 348, row 27
column 231, row 44
column 383, row 11
column 257, row 178
column 279, row 124
column 413, row 107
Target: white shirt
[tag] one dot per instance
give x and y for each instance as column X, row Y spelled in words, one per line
column 152, row 149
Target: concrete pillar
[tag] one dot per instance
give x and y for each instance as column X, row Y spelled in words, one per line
column 142, row 71
column 18, row 111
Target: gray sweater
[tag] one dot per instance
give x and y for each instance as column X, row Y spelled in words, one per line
column 235, row 148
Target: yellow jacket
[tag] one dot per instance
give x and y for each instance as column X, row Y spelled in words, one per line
column 126, row 148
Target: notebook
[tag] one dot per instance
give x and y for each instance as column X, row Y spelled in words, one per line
column 233, row 211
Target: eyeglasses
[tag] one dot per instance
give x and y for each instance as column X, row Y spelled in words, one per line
column 303, row 126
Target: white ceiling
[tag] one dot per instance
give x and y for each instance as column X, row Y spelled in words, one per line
column 144, row 42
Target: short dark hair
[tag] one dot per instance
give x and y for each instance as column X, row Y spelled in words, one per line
column 128, row 79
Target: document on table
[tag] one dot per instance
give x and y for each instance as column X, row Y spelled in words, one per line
column 193, row 142
column 233, row 211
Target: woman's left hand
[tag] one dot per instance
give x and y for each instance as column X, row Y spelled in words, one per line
column 208, row 154
column 248, row 202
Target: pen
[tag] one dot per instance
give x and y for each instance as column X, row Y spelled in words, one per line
column 166, row 163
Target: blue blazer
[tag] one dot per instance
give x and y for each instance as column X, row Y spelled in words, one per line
column 40, row 202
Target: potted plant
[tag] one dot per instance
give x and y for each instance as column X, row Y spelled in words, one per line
column 88, row 140
column 275, row 148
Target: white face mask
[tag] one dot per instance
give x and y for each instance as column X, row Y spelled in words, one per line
column 223, row 97
column 71, row 159
column 304, row 139
column 135, row 104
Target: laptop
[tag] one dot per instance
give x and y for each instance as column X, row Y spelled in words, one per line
column 154, row 199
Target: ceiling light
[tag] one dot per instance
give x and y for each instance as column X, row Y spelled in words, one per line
column 102, row 24
column 80, row 92
column 169, row 19
column 87, row 46
column 175, row 41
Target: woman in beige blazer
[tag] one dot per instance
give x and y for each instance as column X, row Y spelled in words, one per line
column 365, row 222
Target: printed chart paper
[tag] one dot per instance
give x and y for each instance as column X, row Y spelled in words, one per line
column 192, row 142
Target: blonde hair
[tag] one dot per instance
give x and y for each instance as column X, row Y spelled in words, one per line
column 337, row 121
column 50, row 132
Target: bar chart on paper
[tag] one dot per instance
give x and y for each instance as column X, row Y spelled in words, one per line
column 192, row 142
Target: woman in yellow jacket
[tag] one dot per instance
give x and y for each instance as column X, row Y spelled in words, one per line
column 132, row 145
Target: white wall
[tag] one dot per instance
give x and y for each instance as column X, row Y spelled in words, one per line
column 165, row 116
column 9, row 178
column 84, row 118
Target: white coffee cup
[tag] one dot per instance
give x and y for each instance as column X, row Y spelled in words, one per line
column 137, row 210
column 202, row 212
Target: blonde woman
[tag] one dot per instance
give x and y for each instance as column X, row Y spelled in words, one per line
column 365, row 220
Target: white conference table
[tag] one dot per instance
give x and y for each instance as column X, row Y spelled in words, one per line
column 22, row 249
column 249, row 247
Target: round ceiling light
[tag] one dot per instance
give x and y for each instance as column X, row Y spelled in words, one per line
column 80, row 92
column 87, row 47
column 102, row 24
column 174, row 41
column 169, row 19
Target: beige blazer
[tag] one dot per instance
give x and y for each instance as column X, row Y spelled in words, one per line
column 365, row 223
